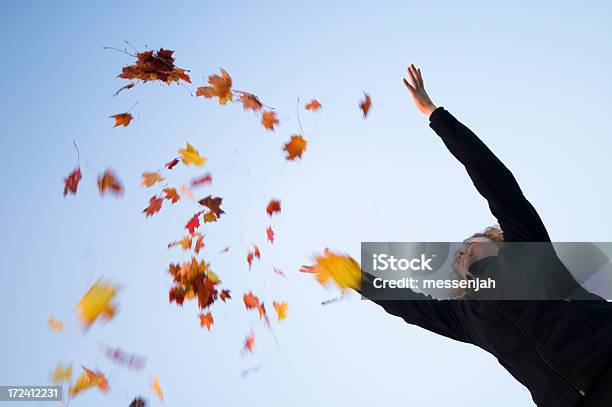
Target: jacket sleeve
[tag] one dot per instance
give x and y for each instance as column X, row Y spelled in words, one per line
column 443, row 317
column 516, row 216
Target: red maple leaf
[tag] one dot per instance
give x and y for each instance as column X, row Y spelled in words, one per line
column 193, row 223
column 155, row 205
column 270, row 234
column 273, row 207
column 71, row 182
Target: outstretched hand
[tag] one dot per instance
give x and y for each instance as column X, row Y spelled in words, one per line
column 417, row 90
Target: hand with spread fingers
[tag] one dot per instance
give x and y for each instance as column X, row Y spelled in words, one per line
column 417, row 90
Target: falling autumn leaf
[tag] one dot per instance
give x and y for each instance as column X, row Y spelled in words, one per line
column 97, row 302
column 220, row 87
column 138, row 402
column 157, row 388
column 54, row 324
column 193, row 223
column 225, row 250
column 187, row 192
column 61, row 374
column 150, row 178
column 171, row 194
column 250, row 301
column 213, row 205
column 190, row 155
column 155, row 204
column 87, row 380
column 109, row 182
column 273, row 207
column 199, row 245
column 71, row 182
column 185, row 243
column 225, row 295
column 365, row 105
column 295, row 147
column 313, row 105
column 270, row 234
column 269, row 119
column 250, row 101
column 171, row 164
column 206, row 320
column 204, row 179
column 155, row 65
column 123, row 358
column 122, row 119
column 249, row 342
column 342, row 270
column 121, row 89
column 279, row 272
column 281, row 309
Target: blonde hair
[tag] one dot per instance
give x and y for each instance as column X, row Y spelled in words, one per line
column 495, row 234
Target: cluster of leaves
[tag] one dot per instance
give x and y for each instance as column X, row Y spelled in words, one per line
column 192, row 279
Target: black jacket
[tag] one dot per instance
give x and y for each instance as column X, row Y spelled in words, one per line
column 556, row 348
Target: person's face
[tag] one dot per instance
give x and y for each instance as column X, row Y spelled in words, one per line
column 474, row 249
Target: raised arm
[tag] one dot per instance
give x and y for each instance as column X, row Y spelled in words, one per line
column 516, row 216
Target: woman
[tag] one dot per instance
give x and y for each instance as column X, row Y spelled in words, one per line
column 556, row 340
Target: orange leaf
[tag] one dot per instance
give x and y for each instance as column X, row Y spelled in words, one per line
column 295, row 147
column 281, row 309
column 365, row 105
column 313, row 105
column 249, row 342
column 171, row 194
column 269, row 120
column 273, row 207
column 122, row 119
column 220, row 87
column 87, row 380
column 109, row 182
column 150, row 179
column 225, row 294
column 250, row 101
column 250, row 301
column 199, row 243
column 157, row 388
column 54, row 324
column 206, row 320
column 155, row 205
column 71, row 182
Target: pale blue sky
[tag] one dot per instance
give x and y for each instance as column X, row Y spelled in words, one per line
column 533, row 80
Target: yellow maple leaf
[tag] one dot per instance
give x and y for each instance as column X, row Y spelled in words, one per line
column 157, row 388
column 88, row 379
column 191, row 156
column 55, row 324
column 342, row 270
column 61, row 373
column 281, row 309
column 150, row 178
column 97, row 302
